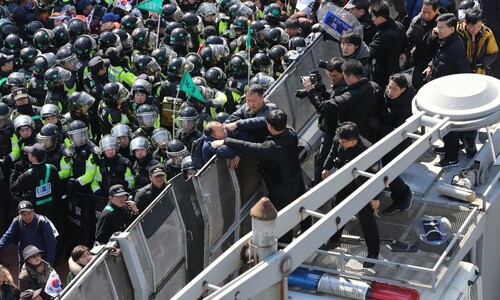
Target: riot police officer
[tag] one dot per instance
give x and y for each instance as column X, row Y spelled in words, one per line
column 110, row 110
column 140, row 148
column 160, row 138
column 147, row 118
column 36, row 85
column 24, row 107
column 112, row 168
column 57, row 154
column 55, row 79
column 176, row 152
column 80, row 102
column 122, row 132
column 187, row 123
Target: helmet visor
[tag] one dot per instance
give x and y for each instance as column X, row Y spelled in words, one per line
column 120, row 130
column 146, row 119
column 84, row 101
column 188, row 125
column 79, row 137
column 48, row 142
column 108, row 143
column 161, row 138
column 177, row 157
column 69, row 63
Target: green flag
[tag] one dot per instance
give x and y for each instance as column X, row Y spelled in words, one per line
column 187, row 85
column 249, row 39
column 150, row 5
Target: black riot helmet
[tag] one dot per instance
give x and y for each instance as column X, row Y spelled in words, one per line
column 176, row 151
column 140, row 38
column 125, row 39
column 192, row 23
column 216, row 78
column 114, row 92
column 233, row 9
column 262, row 63
column 273, row 12
column 56, row 76
column 42, row 39
column 84, row 45
column 76, row 27
column 188, row 119
column 297, row 43
column 177, row 66
column 221, row 117
column 48, row 136
column 215, row 40
column 172, row 12
column 188, row 168
column 146, row 115
column 258, row 31
column 163, row 56
column 61, row 35
column 213, row 54
column 239, row 64
column 12, row 44
column 145, row 64
column 198, row 80
column 130, row 22
column 168, row 30
column 109, row 39
column 78, row 133
column 141, row 85
column 262, row 79
column 44, row 62
column 7, row 27
column 179, row 37
column 242, row 43
column 67, row 58
column 277, row 54
column 28, row 56
column 16, row 79
column 160, row 137
column 195, row 59
column 240, row 25
column 277, row 36
column 224, row 5
column 31, row 28
column 81, row 102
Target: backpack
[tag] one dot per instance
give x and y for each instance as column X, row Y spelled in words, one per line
column 39, row 225
column 197, row 152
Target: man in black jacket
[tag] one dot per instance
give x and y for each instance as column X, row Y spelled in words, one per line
column 420, row 29
column 359, row 9
column 40, row 184
column 117, row 215
column 348, row 144
column 361, row 99
column 387, row 44
column 147, row 194
column 326, row 122
column 278, row 161
column 449, row 58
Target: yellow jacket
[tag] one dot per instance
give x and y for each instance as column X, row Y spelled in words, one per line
column 487, row 47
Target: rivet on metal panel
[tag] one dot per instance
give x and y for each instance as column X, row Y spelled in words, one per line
column 386, row 180
column 354, row 173
column 286, row 265
column 337, row 222
column 206, row 198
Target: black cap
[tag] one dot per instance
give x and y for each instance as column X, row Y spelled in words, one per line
column 24, row 206
column 158, row 169
column 117, row 190
column 4, row 58
column 97, row 63
column 37, row 150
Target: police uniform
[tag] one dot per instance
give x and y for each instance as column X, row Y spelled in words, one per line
column 147, row 194
column 111, row 171
column 141, row 170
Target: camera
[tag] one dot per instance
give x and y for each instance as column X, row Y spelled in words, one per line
column 315, row 78
column 323, row 64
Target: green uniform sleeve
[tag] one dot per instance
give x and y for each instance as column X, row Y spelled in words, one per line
column 15, row 154
column 89, row 175
column 127, row 77
column 65, row 171
column 95, row 185
column 129, row 177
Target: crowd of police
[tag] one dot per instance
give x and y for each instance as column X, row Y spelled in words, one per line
column 90, row 101
column 90, row 91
